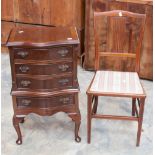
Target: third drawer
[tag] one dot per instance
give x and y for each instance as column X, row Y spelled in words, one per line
column 62, row 82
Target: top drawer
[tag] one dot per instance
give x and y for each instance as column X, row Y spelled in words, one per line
column 43, row 54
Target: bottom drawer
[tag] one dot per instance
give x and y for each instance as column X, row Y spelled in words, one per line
column 44, row 102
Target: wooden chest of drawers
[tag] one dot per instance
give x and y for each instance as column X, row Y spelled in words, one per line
column 44, row 73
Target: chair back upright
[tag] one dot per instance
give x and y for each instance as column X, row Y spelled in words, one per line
column 122, row 37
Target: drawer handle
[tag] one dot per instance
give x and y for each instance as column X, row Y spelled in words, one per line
column 25, row 83
column 63, row 53
column 23, row 54
column 65, row 100
column 24, row 69
column 63, row 81
column 63, row 67
column 26, row 102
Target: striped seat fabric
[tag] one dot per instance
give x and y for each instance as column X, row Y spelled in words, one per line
column 116, row 82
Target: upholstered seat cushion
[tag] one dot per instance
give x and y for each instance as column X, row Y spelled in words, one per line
column 116, row 82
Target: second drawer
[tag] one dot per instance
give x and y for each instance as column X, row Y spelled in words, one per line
column 44, row 69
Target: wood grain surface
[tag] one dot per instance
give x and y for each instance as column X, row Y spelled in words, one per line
column 7, row 11
column 147, row 48
column 42, row 36
column 45, row 12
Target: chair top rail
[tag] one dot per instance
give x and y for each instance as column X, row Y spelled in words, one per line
column 110, row 54
column 120, row 13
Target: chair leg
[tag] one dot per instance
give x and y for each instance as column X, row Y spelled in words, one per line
column 95, row 105
column 133, row 106
column 89, row 113
column 140, row 120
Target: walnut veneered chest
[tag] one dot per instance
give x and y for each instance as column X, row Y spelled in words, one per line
column 44, row 73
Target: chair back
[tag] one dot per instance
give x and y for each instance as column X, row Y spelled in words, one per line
column 122, row 36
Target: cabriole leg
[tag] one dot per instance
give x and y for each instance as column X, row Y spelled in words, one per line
column 77, row 119
column 16, row 122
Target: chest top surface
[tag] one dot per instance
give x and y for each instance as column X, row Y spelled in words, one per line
column 42, row 36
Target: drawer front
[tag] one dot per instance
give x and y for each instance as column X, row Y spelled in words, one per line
column 44, row 102
column 52, row 83
column 50, row 69
column 44, row 54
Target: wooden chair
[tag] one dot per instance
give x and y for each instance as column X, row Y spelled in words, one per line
column 125, row 43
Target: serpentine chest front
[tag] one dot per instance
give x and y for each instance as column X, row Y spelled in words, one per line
column 44, row 73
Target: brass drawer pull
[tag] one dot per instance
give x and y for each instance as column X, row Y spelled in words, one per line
column 63, row 53
column 63, row 81
column 24, row 69
column 25, row 83
column 63, row 67
column 26, row 102
column 65, row 100
column 22, row 54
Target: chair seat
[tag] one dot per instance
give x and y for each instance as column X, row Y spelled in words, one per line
column 115, row 82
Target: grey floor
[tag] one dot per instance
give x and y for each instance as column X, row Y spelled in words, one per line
column 54, row 135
